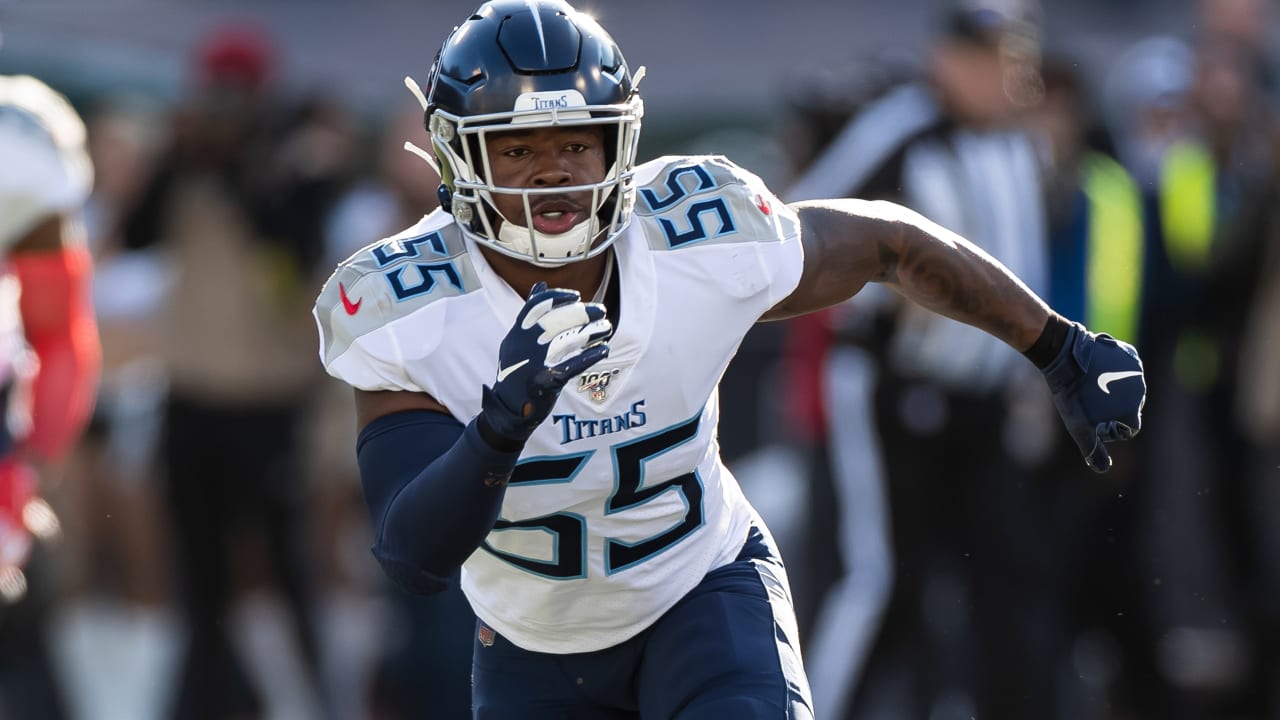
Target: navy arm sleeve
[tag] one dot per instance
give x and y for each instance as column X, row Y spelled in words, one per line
column 434, row 488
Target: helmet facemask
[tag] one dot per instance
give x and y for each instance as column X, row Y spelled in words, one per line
column 460, row 144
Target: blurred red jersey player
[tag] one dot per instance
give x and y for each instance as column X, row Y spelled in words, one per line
column 50, row 355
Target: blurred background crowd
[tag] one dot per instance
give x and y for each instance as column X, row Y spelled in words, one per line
column 950, row 554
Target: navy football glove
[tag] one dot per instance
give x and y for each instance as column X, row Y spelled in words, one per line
column 1099, row 389
column 555, row 337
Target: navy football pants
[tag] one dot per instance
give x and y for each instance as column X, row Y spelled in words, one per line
column 727, row 650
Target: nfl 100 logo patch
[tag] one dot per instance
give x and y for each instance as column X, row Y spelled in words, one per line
column 596, row 384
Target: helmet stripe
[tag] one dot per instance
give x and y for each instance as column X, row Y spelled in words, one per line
column 537, row 22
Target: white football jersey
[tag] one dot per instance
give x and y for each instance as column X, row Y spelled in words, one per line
column 44, row 166
column 620, row 503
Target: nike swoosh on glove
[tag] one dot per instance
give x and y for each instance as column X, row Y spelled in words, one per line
column 1099, row 389
column 555, row 337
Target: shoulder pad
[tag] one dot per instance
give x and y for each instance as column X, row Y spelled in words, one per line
column 391, row 279
column 700, row 200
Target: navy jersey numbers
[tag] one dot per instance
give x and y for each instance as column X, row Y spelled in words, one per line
column 569, row 530
column 700, row 219
column 629, row 462
column 411, row 279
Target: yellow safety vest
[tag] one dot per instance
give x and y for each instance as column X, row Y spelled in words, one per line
column 1188, row 216
column 1188, row 205
column 1113, row 262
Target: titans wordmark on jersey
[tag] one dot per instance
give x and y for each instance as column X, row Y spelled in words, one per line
column 620, row 503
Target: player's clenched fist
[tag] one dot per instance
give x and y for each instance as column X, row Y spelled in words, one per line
column 555, row 337
column 1099, row 388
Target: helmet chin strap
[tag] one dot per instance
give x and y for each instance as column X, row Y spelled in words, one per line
column 525, row 240
column 546, row 250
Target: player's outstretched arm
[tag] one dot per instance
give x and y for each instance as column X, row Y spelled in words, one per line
column 1096, row 380
column 848, row 243
column 55, row 271
column 434, row 486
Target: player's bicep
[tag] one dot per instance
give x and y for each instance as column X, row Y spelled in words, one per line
column 371, row 405
column 845, row 247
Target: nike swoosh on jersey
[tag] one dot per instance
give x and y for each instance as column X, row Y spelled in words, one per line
column 351, row 307
column 1107, row 378
column 504, row 372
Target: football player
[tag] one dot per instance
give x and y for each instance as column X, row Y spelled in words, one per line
column 536, row 369
column 49, row 356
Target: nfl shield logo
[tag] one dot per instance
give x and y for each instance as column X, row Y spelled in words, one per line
column 596, row 384
column 486, row 635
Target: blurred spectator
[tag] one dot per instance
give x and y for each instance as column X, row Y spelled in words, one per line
column 1094, row 210
column 1144, row 99
column 238, row 201
column 116, row 630
column 49, row 363
column 923, row 439
column 1207, row 167
column 1210, row 199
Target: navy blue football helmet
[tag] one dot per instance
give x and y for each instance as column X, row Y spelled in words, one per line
column 532, row 63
